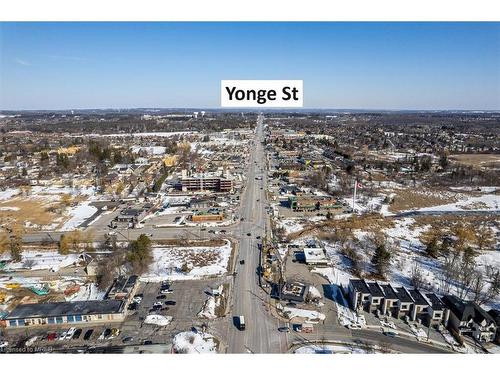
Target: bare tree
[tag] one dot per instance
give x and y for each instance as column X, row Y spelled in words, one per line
column 417, row 279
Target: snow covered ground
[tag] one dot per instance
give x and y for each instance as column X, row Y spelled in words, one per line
column 158, row 320
column 290, row 225
column 335, row 349
column 208, row 309
column 194, row 342
column 87, row 292
column 312, row 316
column 40, row 260
column 9, row 194
column 78, row 215
column 487, row 202
column 188, row 263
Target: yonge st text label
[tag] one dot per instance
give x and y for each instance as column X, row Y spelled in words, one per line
column 262, row 93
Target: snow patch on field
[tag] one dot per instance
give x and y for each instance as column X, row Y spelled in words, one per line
column 290, row 226
column 78, row 215
column 487, row 202
column 188, row 263
column 208, row 309
column 333, row 349
column 9, row 193
column 310, row 315
column 41, row 260
column 158, row 320
column 194, row 342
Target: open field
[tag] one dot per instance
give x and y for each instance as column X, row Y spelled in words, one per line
column 34, row 211
column 409, row 199
column 478, row 160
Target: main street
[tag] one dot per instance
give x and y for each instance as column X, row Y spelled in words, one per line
column 261, row 334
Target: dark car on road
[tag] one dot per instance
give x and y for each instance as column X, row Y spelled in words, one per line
column 88, row 334
column 249, row 234
column 242, row 261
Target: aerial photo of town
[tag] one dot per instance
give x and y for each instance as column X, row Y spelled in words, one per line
column 192, row 228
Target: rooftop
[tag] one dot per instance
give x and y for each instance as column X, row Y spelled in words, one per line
column 360, row 286
column 418, row 298
column 53, row 309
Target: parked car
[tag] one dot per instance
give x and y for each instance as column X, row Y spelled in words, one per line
column 137, row 299
column 31, row 341
column 105, row 334
column 133, row 306
column 166, row 291
column 148, row 342
column 249, row 234
column 70, row 333
column 284, row 329
column 127, row 339
column 77, row 334
column 115, row 332
column 170, row 303
column 4, row 344
column 157, row 304
column 51, row 336
column 88, row 334
column 161, row 296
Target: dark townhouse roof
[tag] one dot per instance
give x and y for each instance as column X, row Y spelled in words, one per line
column 495, row 314
column 388, row 292
column 403, row 295
column 436, row 303
column 418, row 298
column 375, row 289
column 359, row 286
column 466, row 310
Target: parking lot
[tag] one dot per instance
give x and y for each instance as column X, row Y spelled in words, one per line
column 182, row 302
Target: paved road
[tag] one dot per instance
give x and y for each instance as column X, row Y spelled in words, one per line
column 261, row 335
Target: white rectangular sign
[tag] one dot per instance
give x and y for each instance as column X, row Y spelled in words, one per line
column 262, row 93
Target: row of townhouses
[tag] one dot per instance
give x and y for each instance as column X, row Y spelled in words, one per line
column 463, row 317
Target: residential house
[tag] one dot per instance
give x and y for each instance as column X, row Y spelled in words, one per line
column 468, row 318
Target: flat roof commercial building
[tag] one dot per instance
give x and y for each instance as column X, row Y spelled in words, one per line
column 53, row 313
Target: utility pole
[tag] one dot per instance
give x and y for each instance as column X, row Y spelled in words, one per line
column 354, row 194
